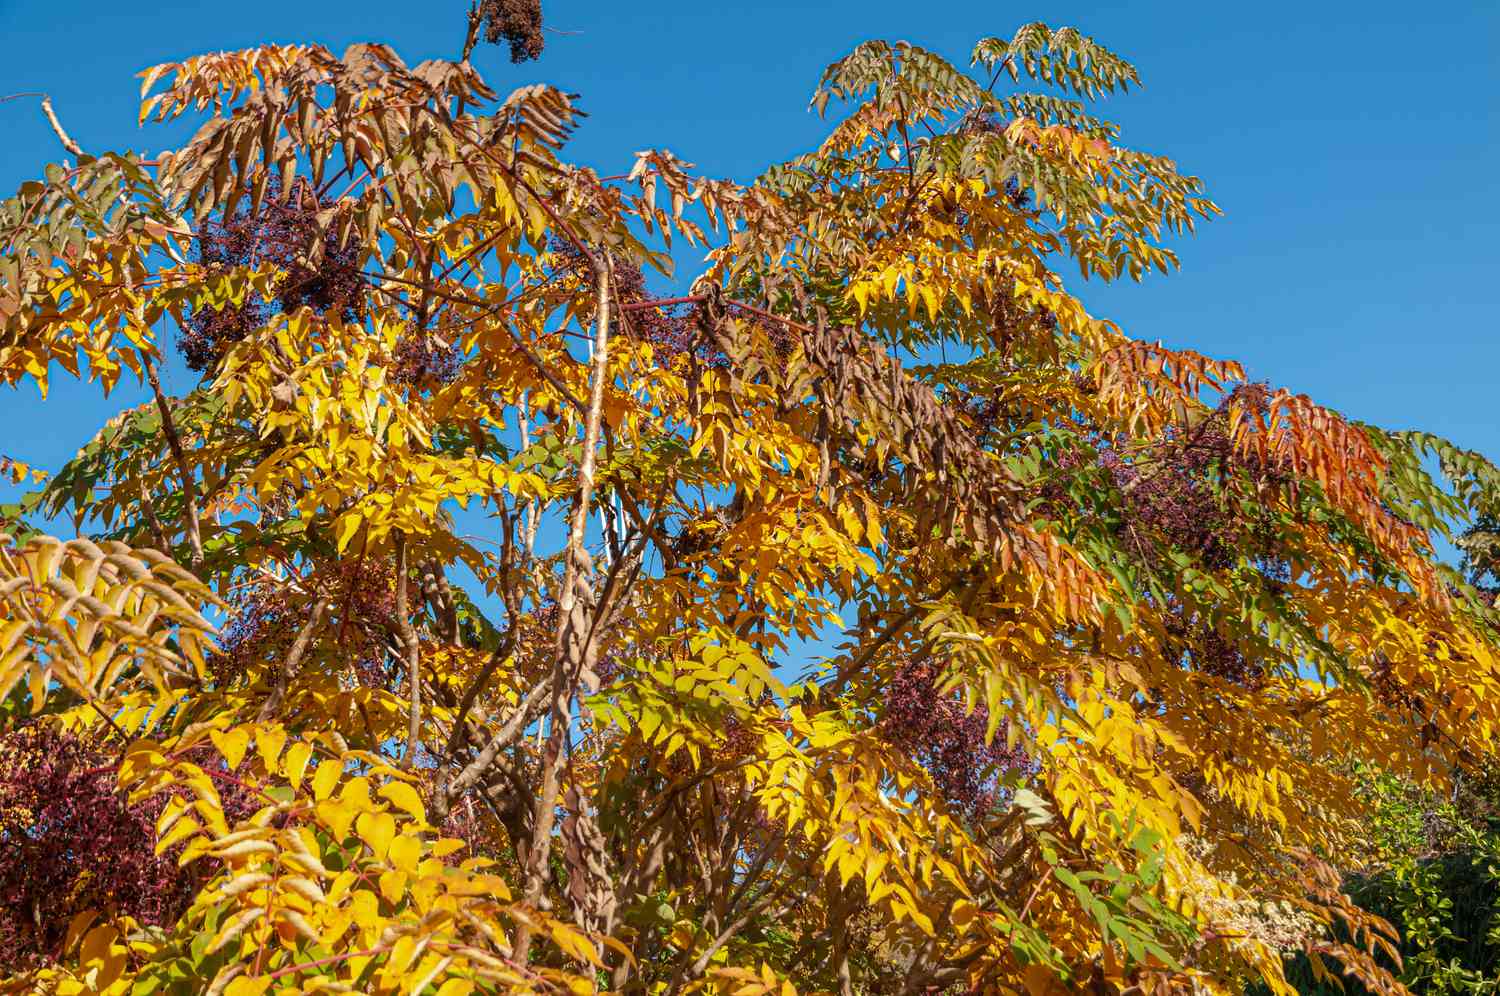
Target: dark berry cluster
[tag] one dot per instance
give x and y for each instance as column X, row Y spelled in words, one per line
column 1204, row 650
column 425, row 360
column 361, row 618
column 941, row 735
column 1179, row 491
column 671, row 330
column 283, row 232
column 73, row 843
column 667, row 329
column 518, row 22
column 1180, row 496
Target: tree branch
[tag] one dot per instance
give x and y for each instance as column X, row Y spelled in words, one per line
column 413, row 654
column 51, row 115
column 290, row 666
column 174, row 443
column 576, row 649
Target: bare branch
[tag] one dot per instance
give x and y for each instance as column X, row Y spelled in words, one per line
column 51, row 115
column 413, row 652
column 191, row 511
column 576, row 648
column 57, row 128
column 292, row 663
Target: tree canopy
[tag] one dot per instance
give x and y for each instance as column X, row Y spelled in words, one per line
column 452, row 635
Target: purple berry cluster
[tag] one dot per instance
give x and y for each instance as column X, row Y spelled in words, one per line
column 938, row 732
column 1180, row 496
column 671, row 330
column 73, row 843
column 361, row 617
column 281, row 232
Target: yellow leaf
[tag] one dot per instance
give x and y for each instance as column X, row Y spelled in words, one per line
column 268, row 745
column 337, row 816
column 247, row 985
column 345, row 528
column 234, row 928
column 573, row 943
column 232, row 745
column 296, row 763
column 404, row 797
column 326, row 777
column 306, row 888
column 405, row 853
column 181, row 829
column 393, row 886
column 447, row 846
column 377, row 830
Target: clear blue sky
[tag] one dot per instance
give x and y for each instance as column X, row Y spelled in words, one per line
column 1353, row 146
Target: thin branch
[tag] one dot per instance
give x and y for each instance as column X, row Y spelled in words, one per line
column 293, row 662
column 472, row 37
column 51, row 115
column 413, row 652
column 57, row 128
column 525, row 713
column 174, row 443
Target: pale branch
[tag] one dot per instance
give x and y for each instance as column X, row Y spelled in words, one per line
column 575, row 646
column 413, row 654
column 293, row 662
column 57, row 128
column 527, row 711
column 523, row 418
column 51, row 116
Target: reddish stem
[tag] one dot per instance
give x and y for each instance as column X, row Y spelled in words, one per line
column 292, row 969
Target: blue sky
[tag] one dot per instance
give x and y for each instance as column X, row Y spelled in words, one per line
column 1353, row 147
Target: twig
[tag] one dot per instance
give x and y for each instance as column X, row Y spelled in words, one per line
column 57, row 128
column 174, row 443
column 413, row 654
column 293, row 660
column 51, row 115
column 472, row 37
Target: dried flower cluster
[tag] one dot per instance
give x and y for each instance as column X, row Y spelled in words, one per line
column 72, row 843
column 283, row 232
column 945, row 738
column 517, row 22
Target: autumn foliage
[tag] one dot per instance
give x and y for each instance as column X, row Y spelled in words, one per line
column 459, row 631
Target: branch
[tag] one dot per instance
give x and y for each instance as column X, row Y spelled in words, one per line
column 57, row 128
column 472, row 38
column 174, row 443
column 503, row 738
column 293, row 660
column 51, row 115
column 575, row 646
column 148, row 509
column 413, row 654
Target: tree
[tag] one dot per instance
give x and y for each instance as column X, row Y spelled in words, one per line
column 446, row 637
